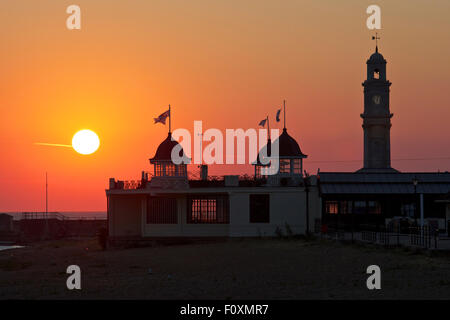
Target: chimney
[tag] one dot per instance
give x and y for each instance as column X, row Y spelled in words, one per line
column 204, row 172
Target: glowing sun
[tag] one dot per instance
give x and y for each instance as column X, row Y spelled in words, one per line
column 85, row 141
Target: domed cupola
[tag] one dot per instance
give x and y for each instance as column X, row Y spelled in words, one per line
column 288, row 147
column 376, row 57
column 289, row 154
column 162, row 161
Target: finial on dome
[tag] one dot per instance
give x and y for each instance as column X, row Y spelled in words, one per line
column 376, row 38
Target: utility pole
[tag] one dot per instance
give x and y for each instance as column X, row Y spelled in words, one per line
column 46, row 231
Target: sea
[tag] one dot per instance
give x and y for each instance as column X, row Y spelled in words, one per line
column 9, row 247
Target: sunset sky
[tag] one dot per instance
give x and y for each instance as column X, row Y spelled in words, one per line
column 228, row 63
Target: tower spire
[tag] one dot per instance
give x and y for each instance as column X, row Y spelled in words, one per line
column 284, row 114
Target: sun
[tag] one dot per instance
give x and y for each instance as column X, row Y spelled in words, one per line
column 85, row 141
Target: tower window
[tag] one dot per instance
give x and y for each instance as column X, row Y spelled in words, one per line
column 170, row 169
column 376, row 74
column 297, row 167
column 285, row 166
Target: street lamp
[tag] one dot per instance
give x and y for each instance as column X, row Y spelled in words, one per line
column 415, row 183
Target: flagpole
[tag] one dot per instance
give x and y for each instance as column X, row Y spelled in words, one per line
column 170, row 117
column 284, row 113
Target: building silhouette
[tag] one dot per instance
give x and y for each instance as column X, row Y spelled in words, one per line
column 167, row 204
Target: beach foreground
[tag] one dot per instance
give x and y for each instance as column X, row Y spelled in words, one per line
column 235, row 269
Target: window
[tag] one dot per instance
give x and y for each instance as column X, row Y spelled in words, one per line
column 407, row 210
column 374, row 207
column 297, row 166
column 162, row 210
column 170, row 169
column 345, row 207
column 182, row 170
column 285, row 166
column 360, row 207
column 208, row 209
column 376, row 74
column 259, row 208
column 158, row 169
column 258, row 172
column 331, row 207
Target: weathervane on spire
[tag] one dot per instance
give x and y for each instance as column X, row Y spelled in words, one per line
column 376, row 38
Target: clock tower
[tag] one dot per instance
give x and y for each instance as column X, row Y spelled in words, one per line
column 376, row 117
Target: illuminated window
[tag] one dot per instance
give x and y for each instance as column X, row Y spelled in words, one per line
column 208, row 209
column 376, row 74
column 331, row 207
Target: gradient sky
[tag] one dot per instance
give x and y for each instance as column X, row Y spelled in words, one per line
column 228, row 63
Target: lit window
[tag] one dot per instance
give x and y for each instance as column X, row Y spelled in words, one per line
column 376, row 74
column 331, row 207
column 208, row 209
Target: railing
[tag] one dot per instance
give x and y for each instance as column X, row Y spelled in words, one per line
column 54, row 215
column 425, row 237
column 42, row 215
column 132, row 184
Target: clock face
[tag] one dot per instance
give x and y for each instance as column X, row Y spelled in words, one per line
column 376, row 99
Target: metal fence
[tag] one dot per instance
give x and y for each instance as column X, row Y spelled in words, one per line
column 423, row 237
column 53, row 215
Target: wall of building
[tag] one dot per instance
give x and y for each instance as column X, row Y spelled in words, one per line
column 286, row 207
column 183, row 229
column 127, row 214
column 124, row 215
column 315, row 207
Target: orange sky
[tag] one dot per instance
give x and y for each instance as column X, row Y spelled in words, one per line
column 228, row 63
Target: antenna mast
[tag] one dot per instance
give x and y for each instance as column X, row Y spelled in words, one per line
column 170, row 119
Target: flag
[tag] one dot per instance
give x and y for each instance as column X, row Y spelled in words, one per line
column 262, row 123
column 162, row 117
column 278, row 115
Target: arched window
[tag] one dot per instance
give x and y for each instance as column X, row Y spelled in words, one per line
column 376, row 74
